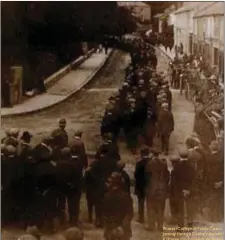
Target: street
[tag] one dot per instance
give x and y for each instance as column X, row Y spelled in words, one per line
column 84, row 110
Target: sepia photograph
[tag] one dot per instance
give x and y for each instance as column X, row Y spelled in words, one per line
column 112, row 120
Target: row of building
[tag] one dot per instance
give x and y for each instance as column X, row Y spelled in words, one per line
column 199, row 26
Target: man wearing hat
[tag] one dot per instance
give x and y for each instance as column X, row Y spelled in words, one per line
column 216, row 171
column 198, row 158
column 27, row 180
column 157, row 190
column 74, row 234
column 185, row 192
column 8, row 134
column 12, row 138
column 10, row 183
column 78, row 148
column 117, row 208
column 168, row 95
column 165, row 126
column 43, row 151
column 125, row 177
column 174, row 196
column 141, row 181
column 59, row 135
column 24, row 149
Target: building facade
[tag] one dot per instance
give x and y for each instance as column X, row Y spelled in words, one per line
column 184, row 24
column 209, row 34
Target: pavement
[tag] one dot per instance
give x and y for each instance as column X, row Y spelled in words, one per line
column 62, row 89
column 170, row 54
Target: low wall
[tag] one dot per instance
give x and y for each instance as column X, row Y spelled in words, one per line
column 65, row 70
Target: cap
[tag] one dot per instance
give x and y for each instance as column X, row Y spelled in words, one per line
column 27, row 237
column 74, row 234
column 174, row 158
column 10, row 150
column 26, row 135
column 194, row 134
column 14, row 131
column 165, row 105
column 214, row 146
column 7, row 132
column 34, row 232
column 66, row 151
column 62, row 120
column 78, row 133
column 190, row 142
column 183, row 151
column 117, row 234
column 213, row 77
column 132, row 100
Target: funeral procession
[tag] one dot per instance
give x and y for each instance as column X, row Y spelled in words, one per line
column 112, row 120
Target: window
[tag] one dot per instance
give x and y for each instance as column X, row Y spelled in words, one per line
column 221, row 64
column 216, row 56
column 216, row 27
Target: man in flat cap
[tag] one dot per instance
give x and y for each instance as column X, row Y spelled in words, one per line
column 185, row 192
column 165, row 126
column 216, row 171
column 174, row 196
column 157, row 190
column 59, row 135
column 12, row 138
column 117, row 208
column 141, row 182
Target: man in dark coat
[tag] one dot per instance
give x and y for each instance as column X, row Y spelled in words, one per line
column 165, row 126
column 90, row 192
column 168, row 94
column 173, row 190
column 46, row 179
column 9, row 184
column 24, row 147
column 185, row 193
column 68, row 186
column 117, row 208
column 141, row 182
column 78, row 148
column 27, row 179
column 99, row 172
column 157, row 190
column 216, row 181
column 59, row 135
column 125, row 177
column 43, row 151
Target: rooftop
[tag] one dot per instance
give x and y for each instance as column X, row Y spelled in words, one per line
column 189, row 6
column 215, row 8
column 132, row 4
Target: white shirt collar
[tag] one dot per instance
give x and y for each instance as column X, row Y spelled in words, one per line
column 214, row 152
column 77, row 137
column 183, row 159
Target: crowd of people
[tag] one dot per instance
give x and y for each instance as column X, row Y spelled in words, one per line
column 191, row 71
column 41, row 184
